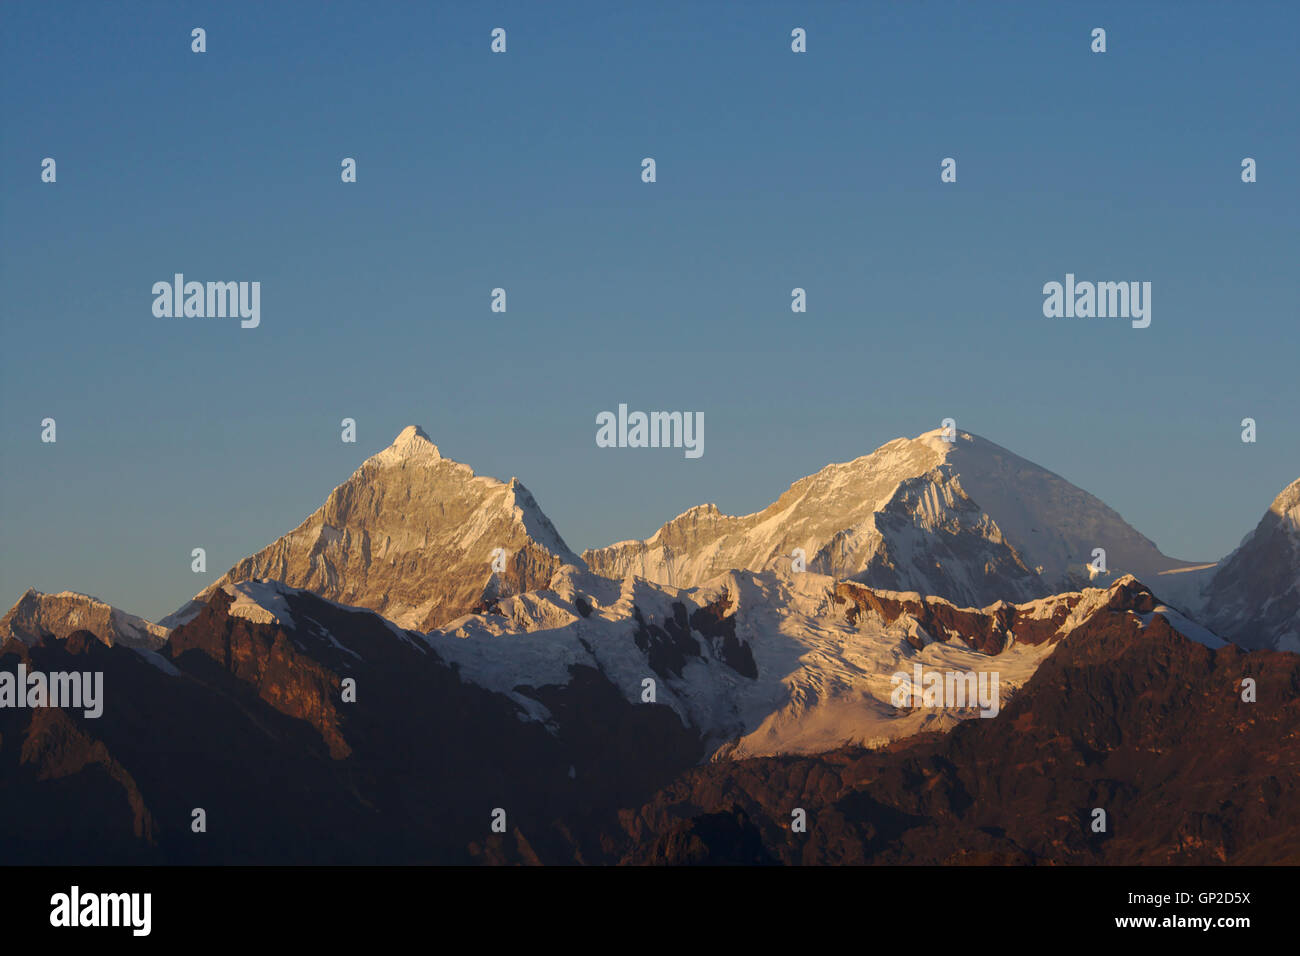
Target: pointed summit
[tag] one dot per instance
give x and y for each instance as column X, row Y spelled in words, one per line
column 414, row 536
column 409, row 432
column 411, row 442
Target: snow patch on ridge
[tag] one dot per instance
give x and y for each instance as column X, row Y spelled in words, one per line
column 262, row 602
column 1185, row 626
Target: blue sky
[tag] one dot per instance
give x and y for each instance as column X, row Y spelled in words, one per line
column 522, row 171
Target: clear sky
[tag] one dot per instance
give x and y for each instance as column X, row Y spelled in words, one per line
column 523, row 170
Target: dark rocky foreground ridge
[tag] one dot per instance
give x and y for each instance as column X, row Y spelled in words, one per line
column 246, row 721
column 1151, row 728
column 252, row 729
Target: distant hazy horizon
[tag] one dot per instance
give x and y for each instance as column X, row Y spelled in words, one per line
column 522, row 171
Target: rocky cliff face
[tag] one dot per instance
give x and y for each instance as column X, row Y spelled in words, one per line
column 36, row 615
column 413, row 536
column 967, row 521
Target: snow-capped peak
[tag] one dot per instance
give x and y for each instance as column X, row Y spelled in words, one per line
column 1253, row 595
column 411, row 443
column 414, row 536
column 1287, row 507
column 60, row 614
column 952, row 515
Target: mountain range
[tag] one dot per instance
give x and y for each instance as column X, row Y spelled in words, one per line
column 491, row 664
column 424, row 541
